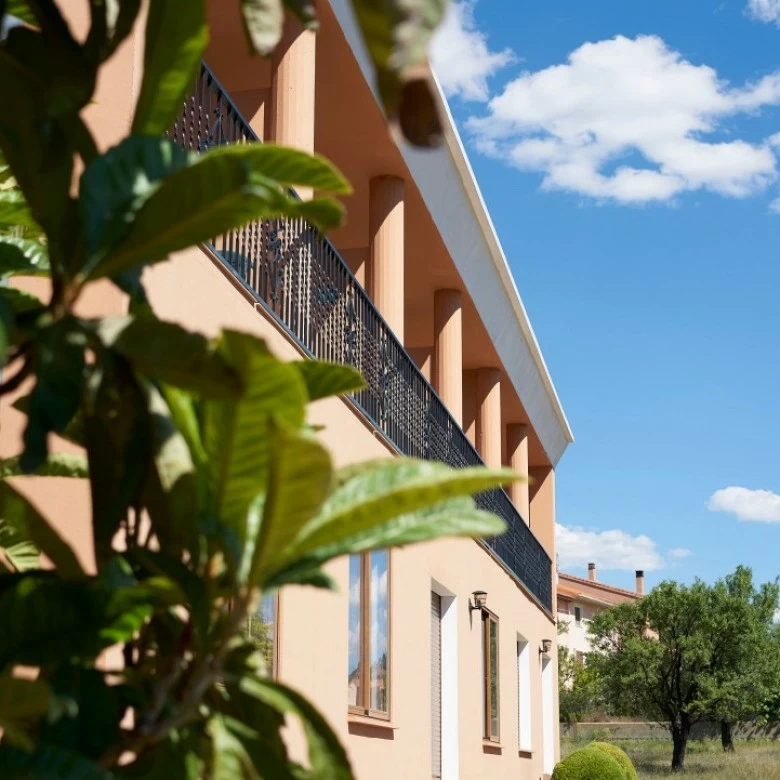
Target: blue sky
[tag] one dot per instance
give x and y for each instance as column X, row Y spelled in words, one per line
column 634, row 184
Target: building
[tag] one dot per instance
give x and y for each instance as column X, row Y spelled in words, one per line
column 415, row 292
column 580, row 599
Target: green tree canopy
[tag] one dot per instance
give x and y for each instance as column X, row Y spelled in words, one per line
column 686, row 652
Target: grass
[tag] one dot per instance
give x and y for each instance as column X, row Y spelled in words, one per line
column 754, row 760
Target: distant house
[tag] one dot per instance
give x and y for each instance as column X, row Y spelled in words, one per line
column 580, row 599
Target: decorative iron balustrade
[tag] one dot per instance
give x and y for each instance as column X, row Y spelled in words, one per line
column 299, row 277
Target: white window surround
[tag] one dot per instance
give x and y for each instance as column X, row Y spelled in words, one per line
column 450, row 758
column 548, row 724
column 524, row 719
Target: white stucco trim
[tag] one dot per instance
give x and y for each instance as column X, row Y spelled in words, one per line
column 446, row 181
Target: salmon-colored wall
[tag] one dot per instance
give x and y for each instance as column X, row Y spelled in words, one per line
column 313, row 633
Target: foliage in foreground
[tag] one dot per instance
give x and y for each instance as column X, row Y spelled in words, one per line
column 208, row 489
column 688, row 653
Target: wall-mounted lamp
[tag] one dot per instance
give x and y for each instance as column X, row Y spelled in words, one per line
column 480, row 599
column 545, row 647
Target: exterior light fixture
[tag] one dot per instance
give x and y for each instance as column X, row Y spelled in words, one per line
column 546, row 646
column 480, row 599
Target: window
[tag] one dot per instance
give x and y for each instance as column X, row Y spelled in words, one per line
column 578, row 615
column 369, row 634
column 524, row 695
column 260, row 628
column 563, row 606
column 490, row 675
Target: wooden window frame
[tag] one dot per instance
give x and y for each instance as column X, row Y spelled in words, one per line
column 364, row 709
column 489, row 617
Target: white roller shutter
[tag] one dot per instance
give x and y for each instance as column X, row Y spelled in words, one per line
column 436, row 685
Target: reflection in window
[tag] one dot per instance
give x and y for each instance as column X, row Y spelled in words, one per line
column 260, row 628
column 355, row 671
column 369, row 628
column 490, row 675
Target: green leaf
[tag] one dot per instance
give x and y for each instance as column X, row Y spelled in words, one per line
column 193, row 587
column 48, row 763
column 26, row 523
column 299, row 480
column 168, row 352
column 49, row 620
column 94, row 724
column 18, row 549
column 19, row 256
column 119, row 445
column 230, row 760
column 112, row 22
column 237, row 433
column 32, row 136
column 304, row 11
column 57, row 464
column 397, row 34
column 116, row 185
column 6, row 330
column 263, row 23
column 327, row 379
column 59, row 365
column 222, row 190
column 178, row 757
column 394, row 488
column 14, row 211
column 19, row 301
column 22, row 703
column 171, row 491
column 176, row 38
column 327, row 757
column 21, row 10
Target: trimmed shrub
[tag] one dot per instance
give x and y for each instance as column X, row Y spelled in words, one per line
column 588, row 764
column 629, row 773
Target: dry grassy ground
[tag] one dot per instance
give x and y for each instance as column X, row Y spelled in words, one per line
column 755, row 760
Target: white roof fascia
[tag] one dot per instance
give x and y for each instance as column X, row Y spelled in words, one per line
column 446, row 181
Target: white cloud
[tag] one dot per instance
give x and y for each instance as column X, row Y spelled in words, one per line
column 629, row 120
column 774, row 206
column 765, row 10
column 679, row 553
column 615, row 550
column 759, row 506
column 460, row 55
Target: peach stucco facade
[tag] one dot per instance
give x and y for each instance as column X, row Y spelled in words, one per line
column 314, row 94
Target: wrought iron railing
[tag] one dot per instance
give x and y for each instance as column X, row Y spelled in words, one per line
column 298, row 275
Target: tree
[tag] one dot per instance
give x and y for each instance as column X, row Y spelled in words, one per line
column 748, row 658
column 208, row 488
column 577, row 683
column 671, row 657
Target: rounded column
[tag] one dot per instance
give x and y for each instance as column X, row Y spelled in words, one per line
column 386, row 257
column 489, row 416
column 292, row 87
column 517, row 454
column 447, row 368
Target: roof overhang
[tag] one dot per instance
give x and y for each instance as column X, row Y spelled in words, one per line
column 446, row 181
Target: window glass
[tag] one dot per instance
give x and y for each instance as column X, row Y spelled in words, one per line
column 490, row 676
column 369, row 633
column 378, row 639
column 260, row 628
column 355, row 641
column 493, row 638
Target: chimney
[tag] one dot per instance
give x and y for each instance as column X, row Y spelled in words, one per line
column 592, row 572
column 640, row 582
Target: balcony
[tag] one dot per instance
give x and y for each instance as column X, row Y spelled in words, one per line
column 301, row 280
